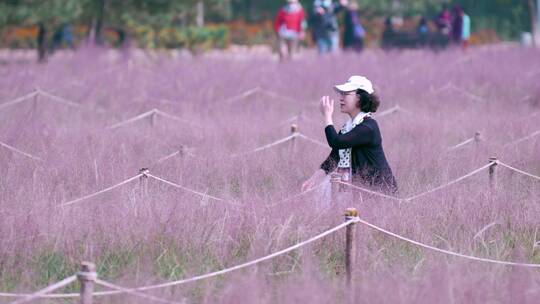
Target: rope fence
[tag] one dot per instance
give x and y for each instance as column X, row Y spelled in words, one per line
column 39, row 92
column 152, row 114
column 18, row 100
column 392, row 110
column 475, row 139
column 518, row 170
column 294, row 135
column 256, row 90
column 88, row 277
column 520, row 140
column 492, row 163
column 9, row 147
column 420, row 194
column 101, row 191
column 92, row 276
column 145, row 174
column 448, row 252
column 132, row 292
column 46, row 290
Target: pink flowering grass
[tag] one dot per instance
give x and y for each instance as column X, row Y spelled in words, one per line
column 168, row 234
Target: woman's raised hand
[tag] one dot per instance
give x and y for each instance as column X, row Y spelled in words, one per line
column 327, row 109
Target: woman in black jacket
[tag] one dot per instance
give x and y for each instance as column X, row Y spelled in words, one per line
column 357, row 152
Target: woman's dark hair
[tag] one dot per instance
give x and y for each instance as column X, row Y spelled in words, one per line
column 368, row 102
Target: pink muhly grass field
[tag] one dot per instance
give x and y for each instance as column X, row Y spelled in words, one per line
column 167, row 234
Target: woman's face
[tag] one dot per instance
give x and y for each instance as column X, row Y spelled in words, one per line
column 348, row 102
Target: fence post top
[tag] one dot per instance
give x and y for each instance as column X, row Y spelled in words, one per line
column 144, row 171
column 493, row 159
column 477, row 136
column 351, row 213
column 87, row 272
column 294, row 128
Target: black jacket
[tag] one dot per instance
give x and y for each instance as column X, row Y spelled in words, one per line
column 368, row 162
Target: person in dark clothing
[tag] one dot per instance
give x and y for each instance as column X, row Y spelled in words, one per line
column 324, row 24
column 353, row 36
column 389, row 34
column 42, row 42
column 457, row 24
column 357, row 153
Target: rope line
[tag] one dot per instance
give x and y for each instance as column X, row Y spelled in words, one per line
column 242, row 95
column 450, row 183
column 518, row 170
column 370, row 191
column 133, row 119
column 256, row 90
column 393, row 109
column 60, row 99
column 388, row 111
column 463, row 143
column 446, row 251
column 270, row 145
column 18, row 100
column 170, row 116
column 515, row 142
column 244, row 265
column 3, row 144
column 101, row 191
column 132, row 292
column 204, row 195
column 423, row 193
column 46, row 290
column 312, row 140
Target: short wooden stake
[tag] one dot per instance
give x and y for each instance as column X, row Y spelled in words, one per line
column 87, row 276
column 492, row 174
column 294, row 131
column 335, row 178
column 143, row 181
column 182, row 151
column 350, row 245
column 477, row 137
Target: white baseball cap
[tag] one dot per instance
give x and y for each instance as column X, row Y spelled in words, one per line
column 355, row 83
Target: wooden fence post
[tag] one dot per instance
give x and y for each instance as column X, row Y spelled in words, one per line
column 143, row 181
column 87, row 277
column 492, row 174
column 350, row 246
column 477, row 137
column 335, row 178
column 294, row 131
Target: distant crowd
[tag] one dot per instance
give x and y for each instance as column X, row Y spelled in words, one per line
column 291, row 22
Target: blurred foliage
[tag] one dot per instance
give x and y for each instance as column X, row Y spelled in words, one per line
column 169, row 23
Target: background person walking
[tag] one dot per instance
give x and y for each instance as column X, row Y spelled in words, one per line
column 289, row 25
column 324, row 25
column 353, row 36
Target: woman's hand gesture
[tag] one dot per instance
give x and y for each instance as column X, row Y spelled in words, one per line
column 327, row 109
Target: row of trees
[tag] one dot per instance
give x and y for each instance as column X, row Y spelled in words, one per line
column 508, row 17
